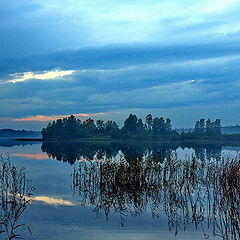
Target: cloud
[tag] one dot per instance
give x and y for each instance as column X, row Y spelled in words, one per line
column 171, row 80
column 43, row 118
column 37, row 156
column 141, row 55
column 116, row 57
column 45, row 75
column 37, row 27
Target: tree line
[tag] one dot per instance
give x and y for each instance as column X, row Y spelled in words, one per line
column 133, row 128
column 208, row 128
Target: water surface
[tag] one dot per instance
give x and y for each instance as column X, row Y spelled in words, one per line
column 58, row 211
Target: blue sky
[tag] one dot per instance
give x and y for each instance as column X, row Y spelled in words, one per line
column 106, row 59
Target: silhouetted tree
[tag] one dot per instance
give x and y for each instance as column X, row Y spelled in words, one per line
column 209, row 129
column 130, row 126
column 197, row 127
column 88, row 127
column 168, row 125
column 200, row 127
column 140, row 127
column 149, row 122
column 112, row 129
column 159, row 126
column 100, row 126
column 133, row 127
column 217, row 127
column 71, row 127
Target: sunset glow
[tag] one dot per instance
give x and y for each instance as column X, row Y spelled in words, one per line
column 44, row 118
column 37, row 156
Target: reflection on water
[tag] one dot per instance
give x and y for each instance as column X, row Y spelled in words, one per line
column 205, row 194
column 208, row 152
column 52, row 201
column 144, row 187
column 73, row 151
column 15, row 196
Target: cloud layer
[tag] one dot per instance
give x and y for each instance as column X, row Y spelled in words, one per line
column 119, row 57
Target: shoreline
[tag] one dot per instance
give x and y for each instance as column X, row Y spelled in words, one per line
column 187, row 141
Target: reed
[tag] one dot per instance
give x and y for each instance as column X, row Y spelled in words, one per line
column 15, row 195
column 204, row 194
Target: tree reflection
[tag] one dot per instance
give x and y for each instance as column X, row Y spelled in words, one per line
column 15, row 196
column 73, row 151
column 189, row 192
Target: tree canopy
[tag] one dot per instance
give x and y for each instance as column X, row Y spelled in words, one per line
column 133, row 128
column 208, row 128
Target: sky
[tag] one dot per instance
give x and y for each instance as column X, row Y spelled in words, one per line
column 106, row 59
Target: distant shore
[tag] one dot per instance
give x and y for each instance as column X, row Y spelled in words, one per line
column 28, row 139
column 223, row 140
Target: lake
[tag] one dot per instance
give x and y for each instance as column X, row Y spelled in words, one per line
column 75, row 197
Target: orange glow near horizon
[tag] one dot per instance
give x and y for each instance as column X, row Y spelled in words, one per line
column 44, row 118
column 37, row 156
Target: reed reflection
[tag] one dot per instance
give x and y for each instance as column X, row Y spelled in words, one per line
column 189, row 192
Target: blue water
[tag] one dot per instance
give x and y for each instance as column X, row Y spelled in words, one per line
column 56, row 214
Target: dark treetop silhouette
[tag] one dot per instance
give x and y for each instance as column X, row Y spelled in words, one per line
column 133, row 128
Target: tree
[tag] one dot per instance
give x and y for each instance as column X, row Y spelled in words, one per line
column 149, row 122
column 100, row 126
column 89, row 127
column 130, row 126
column 159, row 126
column 197, row 127
column 217, row 127
column 71, row 128
column 209, row 128
column 65, row 128
column 140, row 126
column 112, row 129
column 168, row 125
column 200, row 128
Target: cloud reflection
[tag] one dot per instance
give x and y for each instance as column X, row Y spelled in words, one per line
column 52, row 201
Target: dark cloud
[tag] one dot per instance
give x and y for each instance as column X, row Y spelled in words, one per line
column 165, row 85
column 180, row 61
column 118, row 56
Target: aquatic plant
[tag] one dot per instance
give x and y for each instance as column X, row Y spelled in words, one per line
column 15, row 196
column 205, row 194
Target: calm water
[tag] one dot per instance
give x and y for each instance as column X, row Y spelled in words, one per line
column 60, row 212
